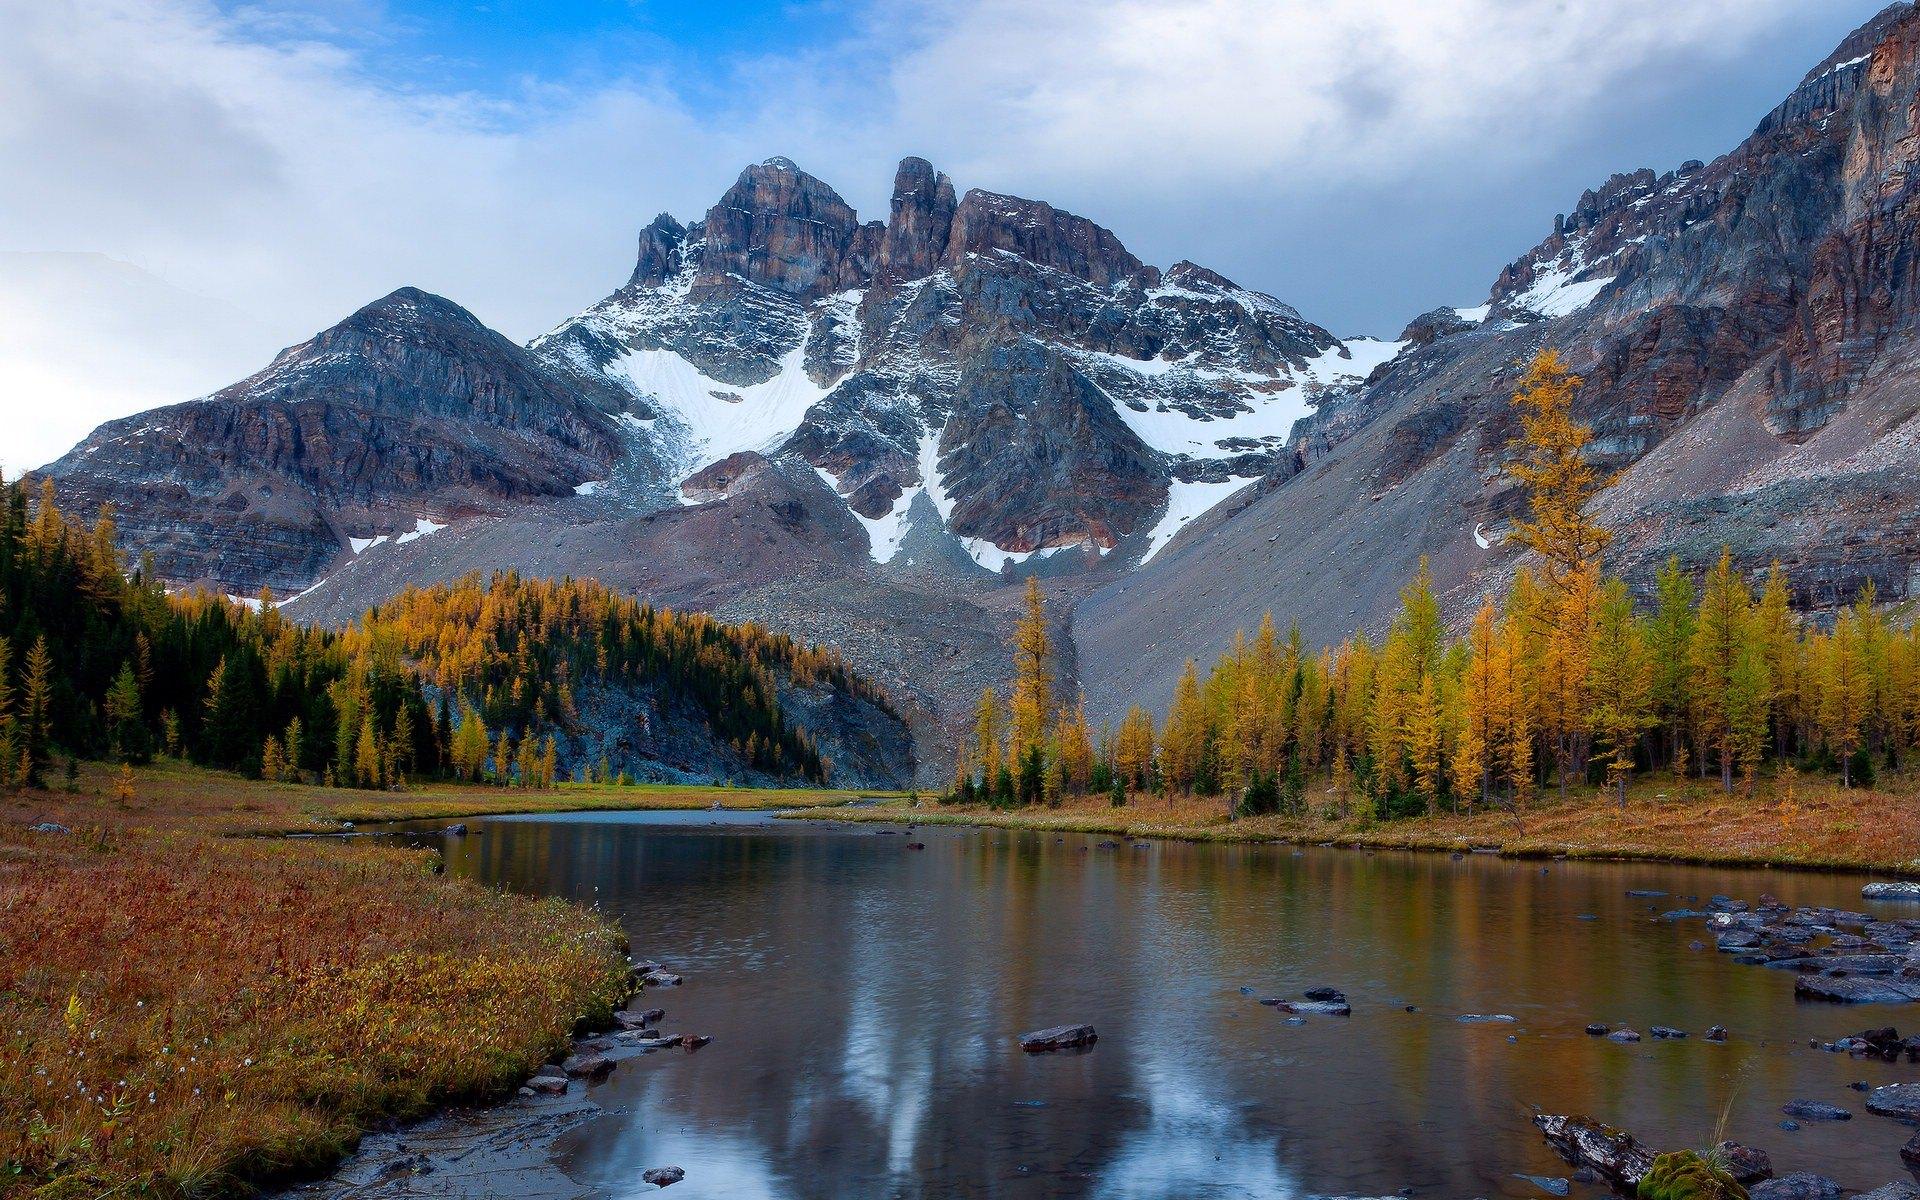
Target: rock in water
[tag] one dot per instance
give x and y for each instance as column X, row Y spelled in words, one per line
column 662, row 1176
column 1610, row 1153
column 1901, row 1101
column 1815, row 1110
column 1623, row 1035
column 1801, row 1185
column 548, row 1085
column 1900, row 889
column 1060, row 1037
column 1747, row 1164
column 1324, row 993
column 591, row 1067
column 1891, row 1191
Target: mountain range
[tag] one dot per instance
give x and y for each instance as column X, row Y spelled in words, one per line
column 865, row 433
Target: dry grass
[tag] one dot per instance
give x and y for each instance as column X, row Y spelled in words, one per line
column 183, row 1014
column 1805, row 823
column 175, row 795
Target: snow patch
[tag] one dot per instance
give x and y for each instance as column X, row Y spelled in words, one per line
column 422, row 527
column 589, row 488
column 1185, row 501
column 721, row 418
column 1364, row 355
column 1475, row 315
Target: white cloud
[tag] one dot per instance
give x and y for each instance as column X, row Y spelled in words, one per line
column 259, row 156
column 1285, row 93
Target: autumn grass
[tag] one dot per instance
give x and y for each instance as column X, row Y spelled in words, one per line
column 1801, row 823
column 183, row 1014
column 176, row 795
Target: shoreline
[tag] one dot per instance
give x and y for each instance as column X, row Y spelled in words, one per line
column 1415, row 834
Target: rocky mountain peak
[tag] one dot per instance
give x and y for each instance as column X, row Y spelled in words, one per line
column 920, row 222
column 660, row 246
column 985, row 222
column 781, row 228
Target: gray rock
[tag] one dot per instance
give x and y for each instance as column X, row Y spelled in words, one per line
column 1898, row 1190
column 1747, row 1164
column 1852, row 989
column 1623, row 1035
column 1667, row 1032
column 591, row 1067
column 1815, row 1110
column 660, row 979
column 1899, row 889
column 1060, row 1037
column 1613, row 1154
column 50, row 827
column 662, row 1176
column 1901, row 1101
column 1801, row 1185
column 548, row 1085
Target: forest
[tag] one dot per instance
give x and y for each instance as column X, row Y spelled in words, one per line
column 1563, row 679
column 469, row 680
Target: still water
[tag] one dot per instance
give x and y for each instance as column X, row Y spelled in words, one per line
column 864, row 1000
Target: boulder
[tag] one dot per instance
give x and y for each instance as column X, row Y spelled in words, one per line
column 660, row 979
column 50, row 827
column 1898, row 889
column 1747, row 1164
column 1910, row 1155
column 1612, row 1154
column 1815, row 1110
column 693, row 1041
column 1597, row 1029
column 1715, row 1033
column 456, row 830
column 1667, row 1032
column 1901, row 1101
column 1801, row 1185
column 1060, row 1037
column 591, row 1067
column 1623, row 1035
column 548, row 1085
column 1891, row 1191
column 1324, row 1008
column 662, row 1176
column 1854, row 989
column 1324, row 993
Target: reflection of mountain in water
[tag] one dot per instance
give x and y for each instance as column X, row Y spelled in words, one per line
column 864, row 999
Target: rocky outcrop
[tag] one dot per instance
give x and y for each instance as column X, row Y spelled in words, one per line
column 780, row 228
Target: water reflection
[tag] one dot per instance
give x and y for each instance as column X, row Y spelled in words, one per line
column 864, row 997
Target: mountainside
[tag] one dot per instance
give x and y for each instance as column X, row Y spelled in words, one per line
column 847, row 429
column 856, row 431
column 408, row 415
column 1746, row 329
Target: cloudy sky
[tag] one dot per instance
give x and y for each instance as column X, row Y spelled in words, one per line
column 186, row 186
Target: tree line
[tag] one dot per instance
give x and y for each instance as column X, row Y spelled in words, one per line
column 1562, row 679
column 470, row 680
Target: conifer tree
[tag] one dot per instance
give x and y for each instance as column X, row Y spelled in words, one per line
column 1620, row 681
column 1032, row 677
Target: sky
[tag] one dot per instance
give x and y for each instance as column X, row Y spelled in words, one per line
column 187, row 186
